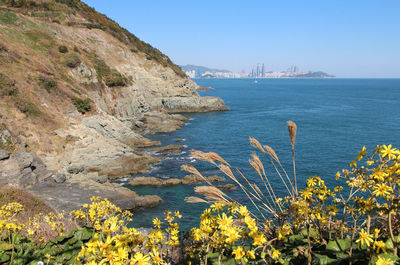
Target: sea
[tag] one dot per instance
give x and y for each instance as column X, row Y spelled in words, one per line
column 335, row 119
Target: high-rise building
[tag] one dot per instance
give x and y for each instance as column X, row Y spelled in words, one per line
column 263, row 70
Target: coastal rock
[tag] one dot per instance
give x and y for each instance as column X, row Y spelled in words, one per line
column 193, row 104
column 75, row 169
column 187, row 180
column 24, row 159
column 4, row 154
column 23, row 169
column 59, row 178
column 172, row 181
column 193, row 179
column 145, row 181
column 159, row 122
column 227, row 187
column 167, row 150
column 101, row 146
column 71, row 195
column 113, row 128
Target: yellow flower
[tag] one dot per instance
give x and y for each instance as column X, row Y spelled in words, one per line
column 382, row 190
column 383, row 261
column 259, row 239
column 364, row 238
column 224, row 221
column 250, row 254
column 362, row 153
column 387, row 151
column 239, row 253
column 140, row 259
column 275, row 254
column 157, row 223
column 380, row 245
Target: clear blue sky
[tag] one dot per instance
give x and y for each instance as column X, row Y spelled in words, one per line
column 347, row 38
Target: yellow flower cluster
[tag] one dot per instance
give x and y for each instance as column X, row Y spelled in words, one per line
column 115, row 243
column 224, row 227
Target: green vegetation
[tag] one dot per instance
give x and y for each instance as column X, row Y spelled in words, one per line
column 62, row 49
column 71, row 60
column 8, row 18
column 8, row 88
column 115, row 79
column 6, row 144
column 26, row 106
column 47, row 83
column 82, row 105
column 111, row 77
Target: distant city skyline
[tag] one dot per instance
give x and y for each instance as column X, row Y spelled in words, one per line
column 344, row 38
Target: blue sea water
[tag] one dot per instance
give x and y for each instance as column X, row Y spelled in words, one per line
column 335, row 119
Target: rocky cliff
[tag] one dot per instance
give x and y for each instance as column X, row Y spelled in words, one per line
column 79, row 93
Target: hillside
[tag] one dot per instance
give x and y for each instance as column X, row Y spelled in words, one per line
column 77, row 94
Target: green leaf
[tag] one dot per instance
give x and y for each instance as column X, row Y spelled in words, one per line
column 323, row 260
column 4, row 257
column 84, row 234
column 313, row 232
column 339, row 245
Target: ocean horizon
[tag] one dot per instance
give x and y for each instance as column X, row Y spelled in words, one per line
column 336, row 117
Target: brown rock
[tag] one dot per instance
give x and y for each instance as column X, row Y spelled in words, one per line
column 145, row 181
column 227, row 187
column 173, row 181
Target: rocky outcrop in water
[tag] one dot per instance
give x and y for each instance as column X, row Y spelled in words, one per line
column 186, row 180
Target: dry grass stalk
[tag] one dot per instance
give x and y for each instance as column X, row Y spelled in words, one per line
column 248, row 193
column 211, row 193
column 202, row 156
column 191, row 169
column 217, row 157
column 254, row 142
column 292, row 128
column 272, row 153
column 193, row 199
column 227, row 170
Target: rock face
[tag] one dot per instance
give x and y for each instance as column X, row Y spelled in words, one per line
column 79, row 127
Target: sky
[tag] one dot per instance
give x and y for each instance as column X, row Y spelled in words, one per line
column 347, row 38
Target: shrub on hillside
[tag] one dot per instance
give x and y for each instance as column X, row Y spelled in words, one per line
column 47, row 83
column 72, row 60
column 82, row 105
column 7, row 86
column 26, row 106
column 62, row 49
column 115, row 79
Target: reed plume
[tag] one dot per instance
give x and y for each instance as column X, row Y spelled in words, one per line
column 193, row 199
column 211, row 193
column 292, row 128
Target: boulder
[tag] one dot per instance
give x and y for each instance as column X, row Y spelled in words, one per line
column 75, row 169
column 59, row 178
column 4, row 154
column 24, row 159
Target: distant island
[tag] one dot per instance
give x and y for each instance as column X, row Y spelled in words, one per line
column 195, row 71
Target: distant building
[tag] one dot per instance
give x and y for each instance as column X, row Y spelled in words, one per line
column 263, row 70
